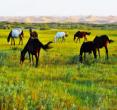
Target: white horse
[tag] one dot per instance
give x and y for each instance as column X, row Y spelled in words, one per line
column 60, row 35
column 15, row 33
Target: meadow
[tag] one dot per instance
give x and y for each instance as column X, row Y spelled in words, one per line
column 60, row 82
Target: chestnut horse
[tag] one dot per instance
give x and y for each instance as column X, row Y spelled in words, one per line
column 81, row 34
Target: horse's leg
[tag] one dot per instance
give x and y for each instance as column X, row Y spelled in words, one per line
column 21, row 39
column 74, row 38
column 36, row 56
column 77, row 39
column 29, row 57
column 99, row 52
column 63, row 39
column 94, row 53
column 81, row 53
column 106, row 51
column 32, row 60
column 84, row 56
column 13, row 40
column 80, row 57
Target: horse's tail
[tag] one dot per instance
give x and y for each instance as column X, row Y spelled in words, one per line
column 111, row 40
column 46, row 46
column 9, row 36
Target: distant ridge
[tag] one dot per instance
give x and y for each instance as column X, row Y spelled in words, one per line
column 63, row 19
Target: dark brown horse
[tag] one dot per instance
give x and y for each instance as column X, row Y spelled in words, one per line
column 81, row 34
column 33, row 47
column 15, row 33
column 102, row 41
column 96, row 44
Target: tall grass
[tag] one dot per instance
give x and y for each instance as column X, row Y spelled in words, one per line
column 60, row 82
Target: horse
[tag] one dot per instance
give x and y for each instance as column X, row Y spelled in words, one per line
column 96, row 44
column 87, row 47
column 15, row 33
column 102, row 41
column 81, row 34
column 60, row 35
column 33, row 47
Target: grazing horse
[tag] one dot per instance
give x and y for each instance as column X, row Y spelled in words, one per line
column 81, row 34
column 94, row 45
column 15, row 33
column 102, row 41
column 60, row 35
column 87, row 47
column 33, row 47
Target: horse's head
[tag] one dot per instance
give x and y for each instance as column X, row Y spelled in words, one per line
column 66, row 35
column 88, row 33
column 34, row 34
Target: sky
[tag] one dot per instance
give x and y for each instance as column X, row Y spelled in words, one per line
column 58, row 7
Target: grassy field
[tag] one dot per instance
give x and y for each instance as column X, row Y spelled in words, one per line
column 60, row 82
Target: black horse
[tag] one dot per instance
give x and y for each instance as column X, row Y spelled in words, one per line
column 87, row 47
column 33, row 47
column 93, row 46
column 15, row 33
column 81, row 34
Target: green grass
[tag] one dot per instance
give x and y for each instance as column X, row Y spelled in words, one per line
column 60, row 82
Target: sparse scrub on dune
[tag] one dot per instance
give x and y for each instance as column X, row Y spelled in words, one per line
column 60, row 82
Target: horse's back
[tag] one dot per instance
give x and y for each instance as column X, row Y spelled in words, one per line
column 100, row 41
column 79, row 34
column 60, row 34
column 16, row 32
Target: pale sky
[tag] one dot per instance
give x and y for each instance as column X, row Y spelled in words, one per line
column 58, row 7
